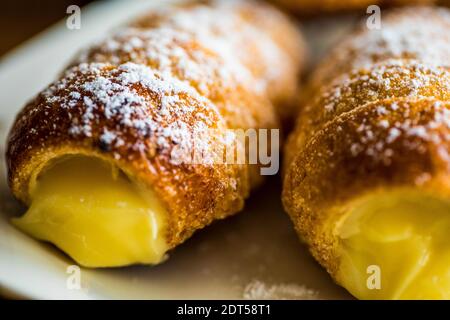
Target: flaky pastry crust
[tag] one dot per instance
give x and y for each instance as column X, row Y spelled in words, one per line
column 139, row 98
column 377, row 119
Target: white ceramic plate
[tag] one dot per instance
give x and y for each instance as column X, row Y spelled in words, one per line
column 255, row 254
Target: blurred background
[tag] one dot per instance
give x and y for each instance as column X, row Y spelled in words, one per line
column 20, row 20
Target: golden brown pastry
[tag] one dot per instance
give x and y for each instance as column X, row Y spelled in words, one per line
column 305, row 7
column 105, row 157
column 367, row 168
column 398, row 38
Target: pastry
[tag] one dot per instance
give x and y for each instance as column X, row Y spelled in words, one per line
column 105, row 158
column 365, row 48
column 367, row 168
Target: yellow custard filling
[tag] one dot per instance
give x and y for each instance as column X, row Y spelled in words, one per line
column 396, row 245
column 95, row 214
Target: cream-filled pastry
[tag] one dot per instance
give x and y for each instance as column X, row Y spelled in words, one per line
column 104, row 157
column 96, row 214
column 404, row 233
column 367, row 169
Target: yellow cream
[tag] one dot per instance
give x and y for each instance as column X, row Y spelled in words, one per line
column 396, row 245
column 95, row 214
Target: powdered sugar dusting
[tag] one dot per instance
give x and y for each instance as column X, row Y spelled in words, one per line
column 387, row 71
column 205, row 45
column 258, row 290
column 171, row 52
column 390, row 79
column 410, row 132
column 132, row 98
column 224, row 33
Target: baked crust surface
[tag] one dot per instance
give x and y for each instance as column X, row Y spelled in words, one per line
column 375, row 117
column 158, row 88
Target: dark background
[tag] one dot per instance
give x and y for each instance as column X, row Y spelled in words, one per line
column 20, row 20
